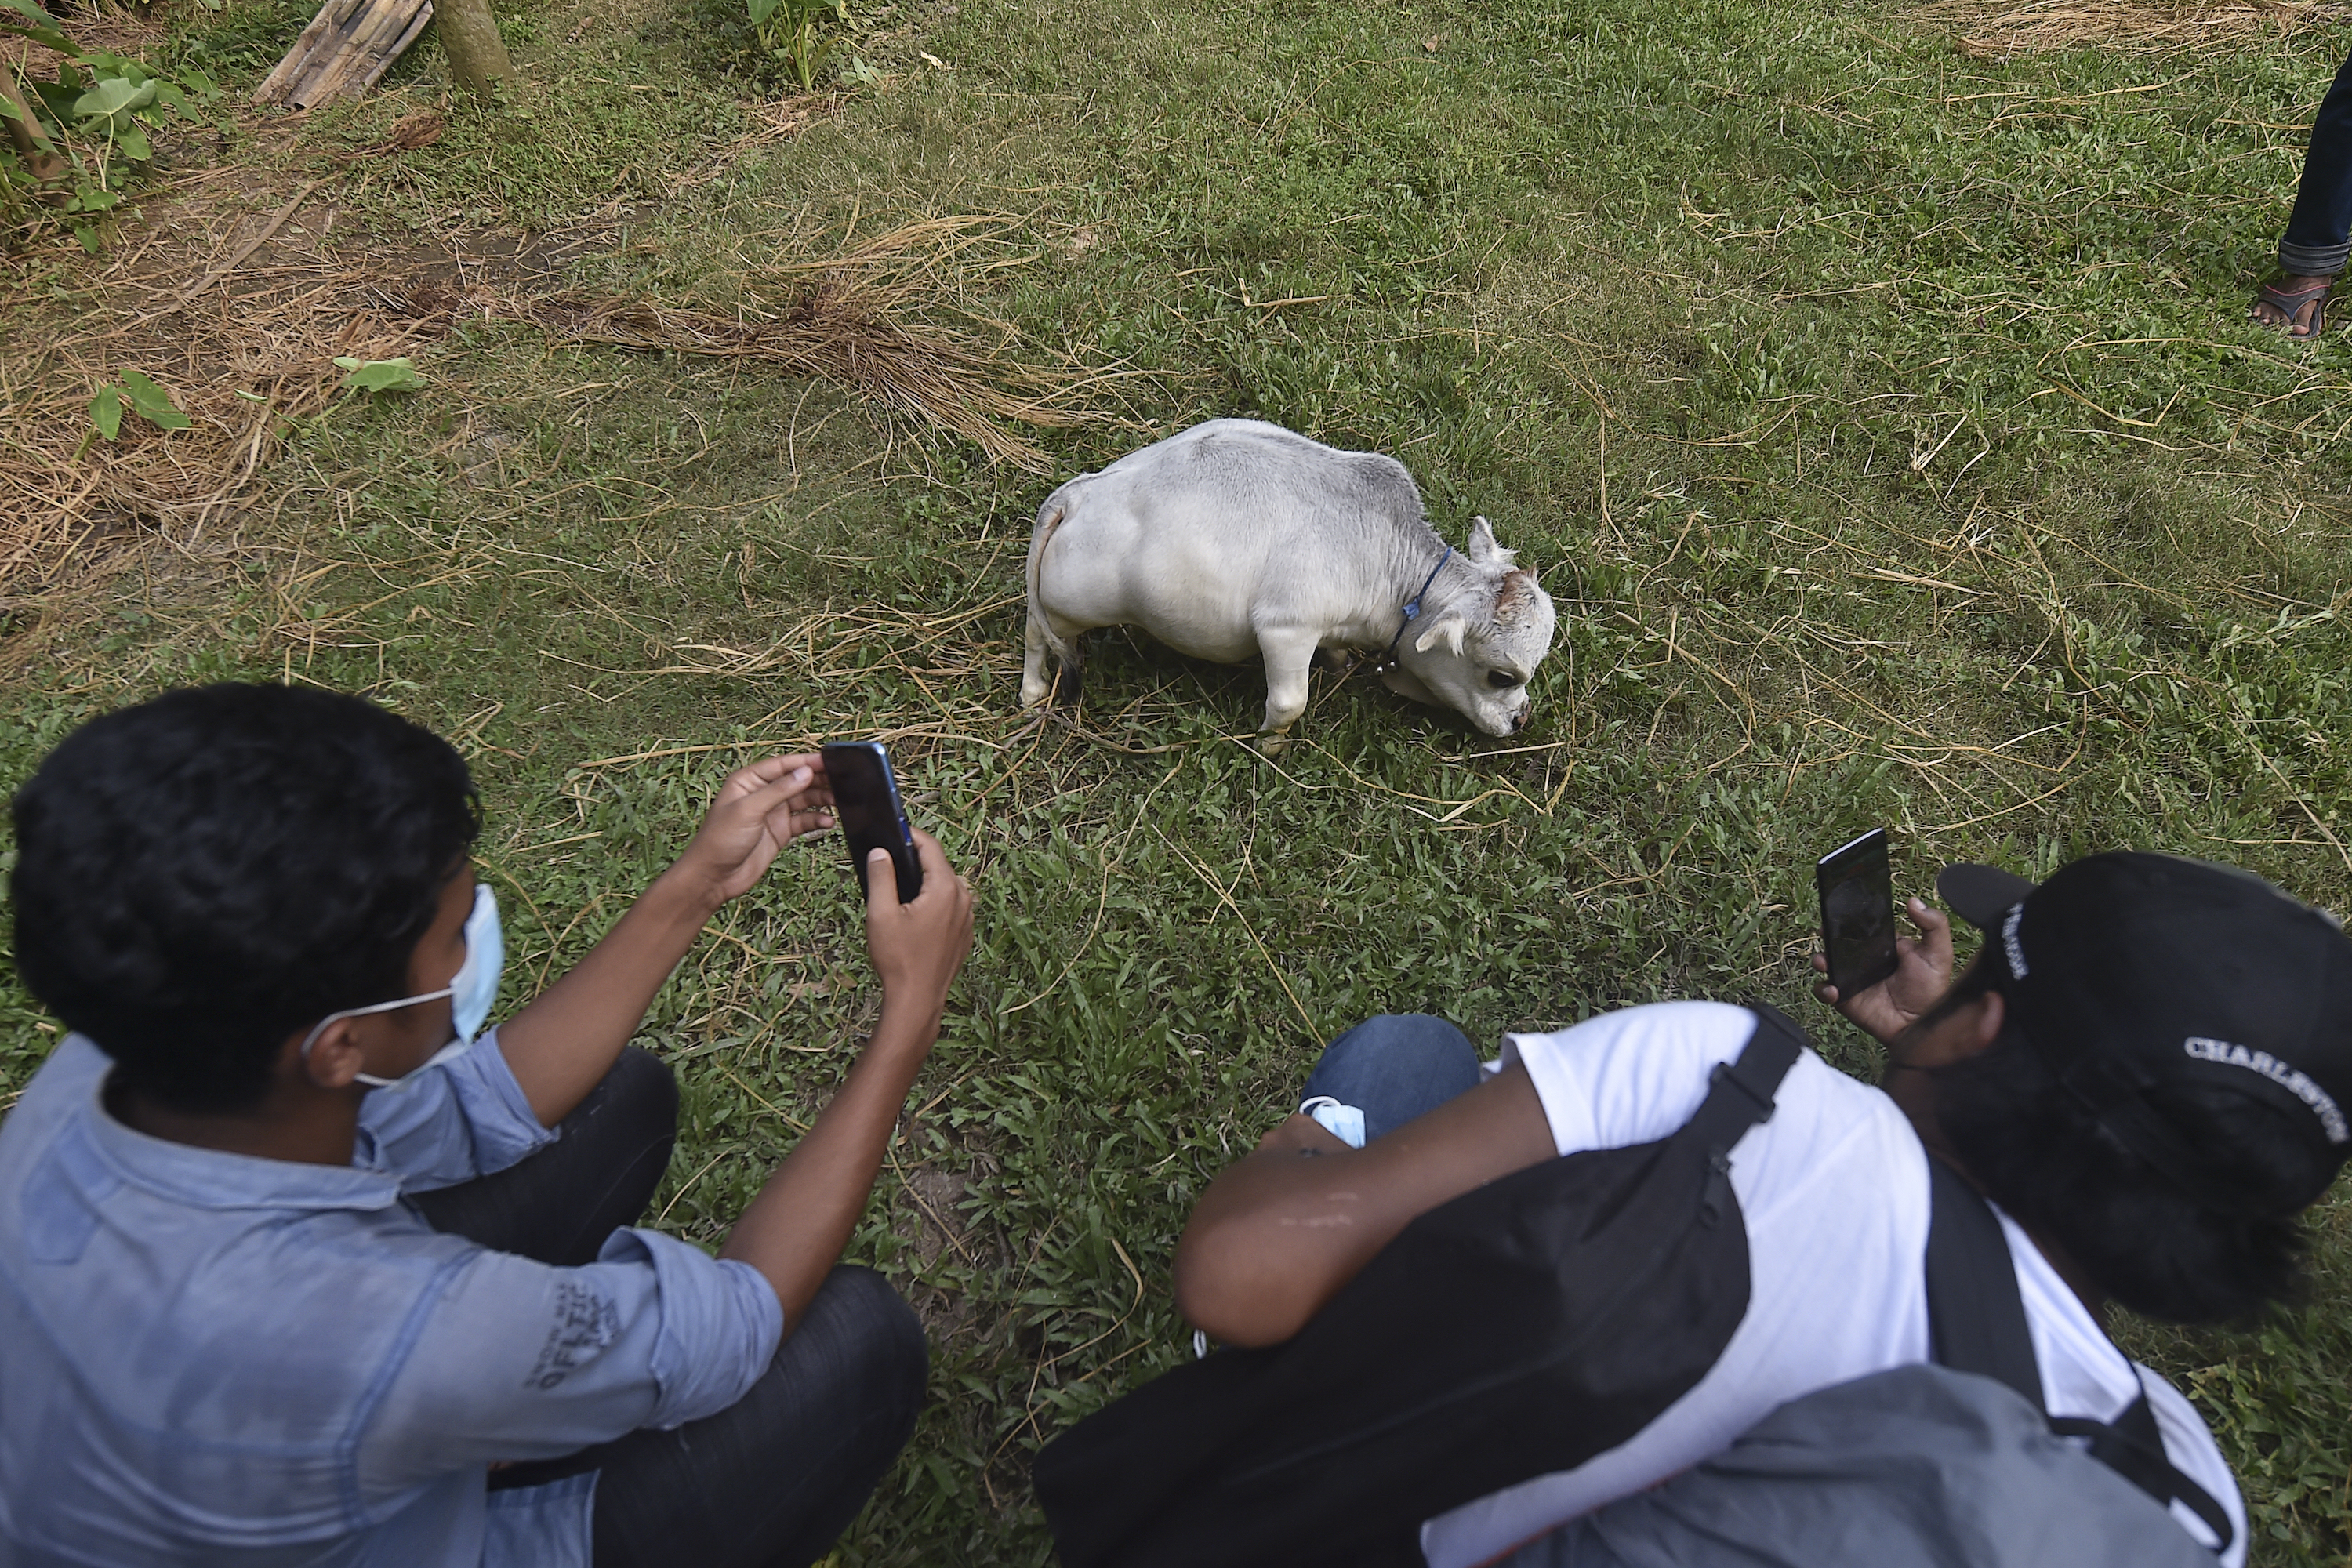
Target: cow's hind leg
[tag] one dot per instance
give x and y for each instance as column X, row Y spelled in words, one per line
column 1043, row 641
column 1033, row 688
column 1043, row 675
column 1288, row 658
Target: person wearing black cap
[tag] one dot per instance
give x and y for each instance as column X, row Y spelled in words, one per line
column 2145, row 1073
column 2184, row 1026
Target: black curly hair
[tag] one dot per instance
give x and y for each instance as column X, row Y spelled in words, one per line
column 201, row 875
column 2046, row 1159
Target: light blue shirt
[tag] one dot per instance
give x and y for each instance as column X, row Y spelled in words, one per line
column 207, row 1358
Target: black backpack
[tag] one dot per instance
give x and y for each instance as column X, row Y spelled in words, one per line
column 1519, row 1330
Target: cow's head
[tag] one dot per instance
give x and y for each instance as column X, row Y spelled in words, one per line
column 1479, row 639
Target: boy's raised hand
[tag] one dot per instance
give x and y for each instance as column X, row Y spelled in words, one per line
column 760, row 809
column 795, row 1230
column 917, row 948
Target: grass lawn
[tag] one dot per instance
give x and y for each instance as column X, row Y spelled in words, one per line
column 1882, row 417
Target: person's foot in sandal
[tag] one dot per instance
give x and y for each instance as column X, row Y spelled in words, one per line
column 2295, row 305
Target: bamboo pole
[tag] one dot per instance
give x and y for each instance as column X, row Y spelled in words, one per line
column 399, row 48
column 344, row 51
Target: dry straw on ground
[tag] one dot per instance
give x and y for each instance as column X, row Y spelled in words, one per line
column 842, row 319
column 238, row 298
column 1999, row 31
column 243, row 343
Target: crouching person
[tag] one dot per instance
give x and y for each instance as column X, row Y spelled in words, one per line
column 1489, row 1302
column 299, row 1263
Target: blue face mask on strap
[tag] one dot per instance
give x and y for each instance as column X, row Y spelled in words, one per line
column 470, row 992
column 476, row 985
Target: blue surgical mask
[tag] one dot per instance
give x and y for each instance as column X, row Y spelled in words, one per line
column 1345, row 1122
column 470, row 992
column 476, row 985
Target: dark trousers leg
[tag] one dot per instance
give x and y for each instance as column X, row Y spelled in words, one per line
column 559, row 1204
column 1394, row 1067
column 775, row 1478
column 2319, row 234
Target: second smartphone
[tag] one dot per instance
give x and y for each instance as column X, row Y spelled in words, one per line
column 1857, row 893
column 865, row 802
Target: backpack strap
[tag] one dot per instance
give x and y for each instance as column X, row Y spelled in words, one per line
column 1740, row 1091
column 1739, row 1097
column 1975, row 1322
column 1976, row 1319
column 2133, row 1447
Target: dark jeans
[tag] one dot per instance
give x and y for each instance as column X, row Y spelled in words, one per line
column 1394, row 1067
column 773, row 1480
column 559, row 1204
column 2316, row 244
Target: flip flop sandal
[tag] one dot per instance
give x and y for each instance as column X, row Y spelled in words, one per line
column 2287, row 303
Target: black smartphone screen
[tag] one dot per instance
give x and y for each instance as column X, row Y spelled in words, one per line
column 1857, row 893
column 865, row 802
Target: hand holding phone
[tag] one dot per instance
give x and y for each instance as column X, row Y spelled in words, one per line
column 865, row 802
column 1882, row 985
column 917, row 947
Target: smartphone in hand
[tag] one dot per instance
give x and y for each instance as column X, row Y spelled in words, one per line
column 1857, row 894
column 865, row 802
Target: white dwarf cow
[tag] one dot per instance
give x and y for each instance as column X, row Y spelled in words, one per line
column 1237, row 537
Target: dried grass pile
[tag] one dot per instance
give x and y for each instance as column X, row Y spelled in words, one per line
column 242, row 348
column 241, row 313
column 845, row 320
column 1998, row 30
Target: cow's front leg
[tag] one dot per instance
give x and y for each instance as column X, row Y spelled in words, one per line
column 1288, row 658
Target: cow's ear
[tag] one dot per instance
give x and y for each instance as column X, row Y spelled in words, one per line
column 1513, row 594
column 1448, row 629
column 1483, row 551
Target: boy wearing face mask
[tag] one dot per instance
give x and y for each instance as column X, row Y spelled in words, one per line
column 300, row 1264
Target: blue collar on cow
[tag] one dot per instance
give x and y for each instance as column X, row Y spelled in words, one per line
column 1413, row 610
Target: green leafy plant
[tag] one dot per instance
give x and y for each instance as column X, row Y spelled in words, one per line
column 76, row 142
column 788, row 31
column 375, row 375
column 141, row 396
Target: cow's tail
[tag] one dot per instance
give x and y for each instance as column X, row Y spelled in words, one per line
column 1049, row 520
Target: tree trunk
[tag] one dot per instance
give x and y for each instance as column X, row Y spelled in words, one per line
column 470, row 39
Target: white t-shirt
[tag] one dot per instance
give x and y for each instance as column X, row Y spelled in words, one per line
column 1833, row 1190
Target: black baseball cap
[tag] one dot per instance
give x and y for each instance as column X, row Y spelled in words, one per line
column 2131, row 971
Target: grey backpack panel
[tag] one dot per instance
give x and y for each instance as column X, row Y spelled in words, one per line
column 1919, row 1466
